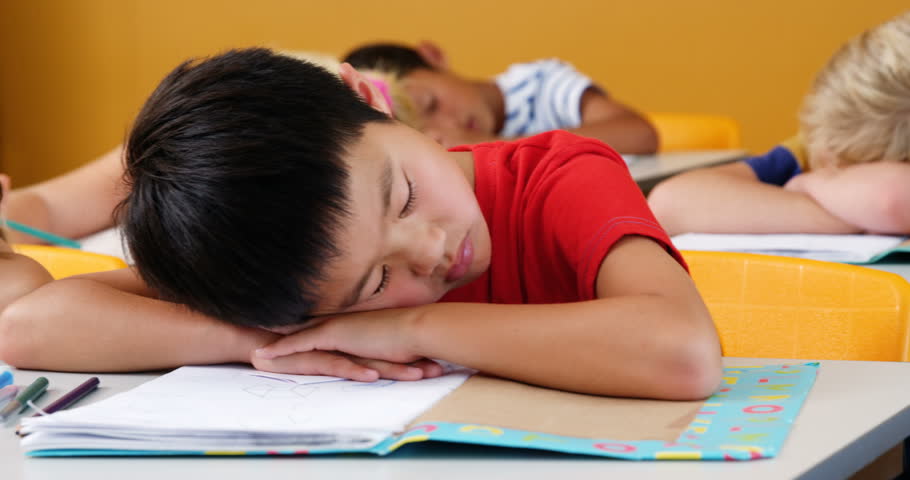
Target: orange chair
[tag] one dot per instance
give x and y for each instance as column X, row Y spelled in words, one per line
column 689, row 131
column 64, row 262
column 782, row 307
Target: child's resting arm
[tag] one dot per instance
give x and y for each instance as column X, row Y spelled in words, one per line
column 73, row 205
column 647, row 335
column 615, row 124
column 731, row 199
column 109, row 322
column 872, row 196
column 101, row 322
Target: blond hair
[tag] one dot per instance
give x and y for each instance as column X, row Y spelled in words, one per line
column 859, row 106
column 402, row 107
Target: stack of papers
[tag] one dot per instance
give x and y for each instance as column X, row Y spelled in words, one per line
column 232, row 408
column 831, row 248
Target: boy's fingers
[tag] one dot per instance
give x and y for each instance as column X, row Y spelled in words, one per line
column 319, row 363
column 392, row 371
column 302, row 341
column 430, row 368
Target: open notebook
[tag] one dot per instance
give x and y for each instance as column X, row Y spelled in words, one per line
column 859, row 249
column 236, row 410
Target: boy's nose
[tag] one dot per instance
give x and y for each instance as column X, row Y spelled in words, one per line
column 427, row 251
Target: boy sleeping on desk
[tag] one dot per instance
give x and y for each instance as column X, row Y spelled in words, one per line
column 278, row 216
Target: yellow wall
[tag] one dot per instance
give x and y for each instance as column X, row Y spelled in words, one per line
column 74, row 72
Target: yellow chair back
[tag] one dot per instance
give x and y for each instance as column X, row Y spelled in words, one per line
column 65, row 262
column 780, row 307
column 690, row 131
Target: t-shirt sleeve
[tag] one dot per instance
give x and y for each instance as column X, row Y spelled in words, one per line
column 541, row 96
column 775, row 167
column 588, row 205
column 561, row 91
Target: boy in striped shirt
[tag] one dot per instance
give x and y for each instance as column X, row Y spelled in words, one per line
column 527, row 99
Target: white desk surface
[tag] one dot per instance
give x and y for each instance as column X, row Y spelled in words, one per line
column 647, row 170
column 855, row 412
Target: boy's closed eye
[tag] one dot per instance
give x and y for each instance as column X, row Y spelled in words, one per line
column 406, row 210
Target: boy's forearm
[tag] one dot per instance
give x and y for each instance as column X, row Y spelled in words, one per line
column 627, row 133
column 724, row 200
column 630, row 346
column 82, row 325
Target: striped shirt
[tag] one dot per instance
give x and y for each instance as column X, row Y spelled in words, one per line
column 541, row 96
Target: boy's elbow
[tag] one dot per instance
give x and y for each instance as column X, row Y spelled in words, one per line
column 693, row 366
column 697, row 373
column 894, row 209
column 650, row 139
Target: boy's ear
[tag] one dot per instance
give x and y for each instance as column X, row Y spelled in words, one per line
column 365, row 88
column 432, row 54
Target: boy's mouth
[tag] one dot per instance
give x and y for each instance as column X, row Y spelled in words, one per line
column 463, row 258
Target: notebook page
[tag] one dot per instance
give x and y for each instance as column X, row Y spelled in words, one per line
column 834, row 248
column 237, row 403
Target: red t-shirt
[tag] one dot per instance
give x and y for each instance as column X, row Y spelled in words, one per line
column 555, row 204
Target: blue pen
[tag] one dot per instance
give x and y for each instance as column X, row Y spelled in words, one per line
column 46, row 236
column 6, row 378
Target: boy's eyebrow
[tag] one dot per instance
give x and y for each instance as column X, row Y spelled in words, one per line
column 385, row 182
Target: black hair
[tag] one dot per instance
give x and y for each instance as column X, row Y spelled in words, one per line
column 238, row 186
column 393, row 58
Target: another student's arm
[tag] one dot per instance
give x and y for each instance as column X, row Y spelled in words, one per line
column 601, row 117
column 730, row 199
column 75, row 204
column 103, row 323
column 615, row 124
column 647, row 335
column 873, row 196
column 111, row 322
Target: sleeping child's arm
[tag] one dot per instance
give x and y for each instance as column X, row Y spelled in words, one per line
column 111, row 322
column 648, row 334
column 731, row 199
column 103, row 322
column 871, row 196
column 615, row 124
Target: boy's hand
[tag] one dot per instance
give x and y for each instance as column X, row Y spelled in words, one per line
column 338, row 364
column 361, row 346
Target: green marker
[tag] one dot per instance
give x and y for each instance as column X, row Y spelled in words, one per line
column 38, row 387
column 46, row 236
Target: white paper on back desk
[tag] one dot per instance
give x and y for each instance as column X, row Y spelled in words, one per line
column 236, row 407
column 831, row 248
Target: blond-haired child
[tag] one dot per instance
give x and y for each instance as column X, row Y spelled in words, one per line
column 846, row 172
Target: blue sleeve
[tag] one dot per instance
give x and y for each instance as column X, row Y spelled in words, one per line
column 775, row 167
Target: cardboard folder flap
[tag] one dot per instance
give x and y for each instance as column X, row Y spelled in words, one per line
column 485, row 400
